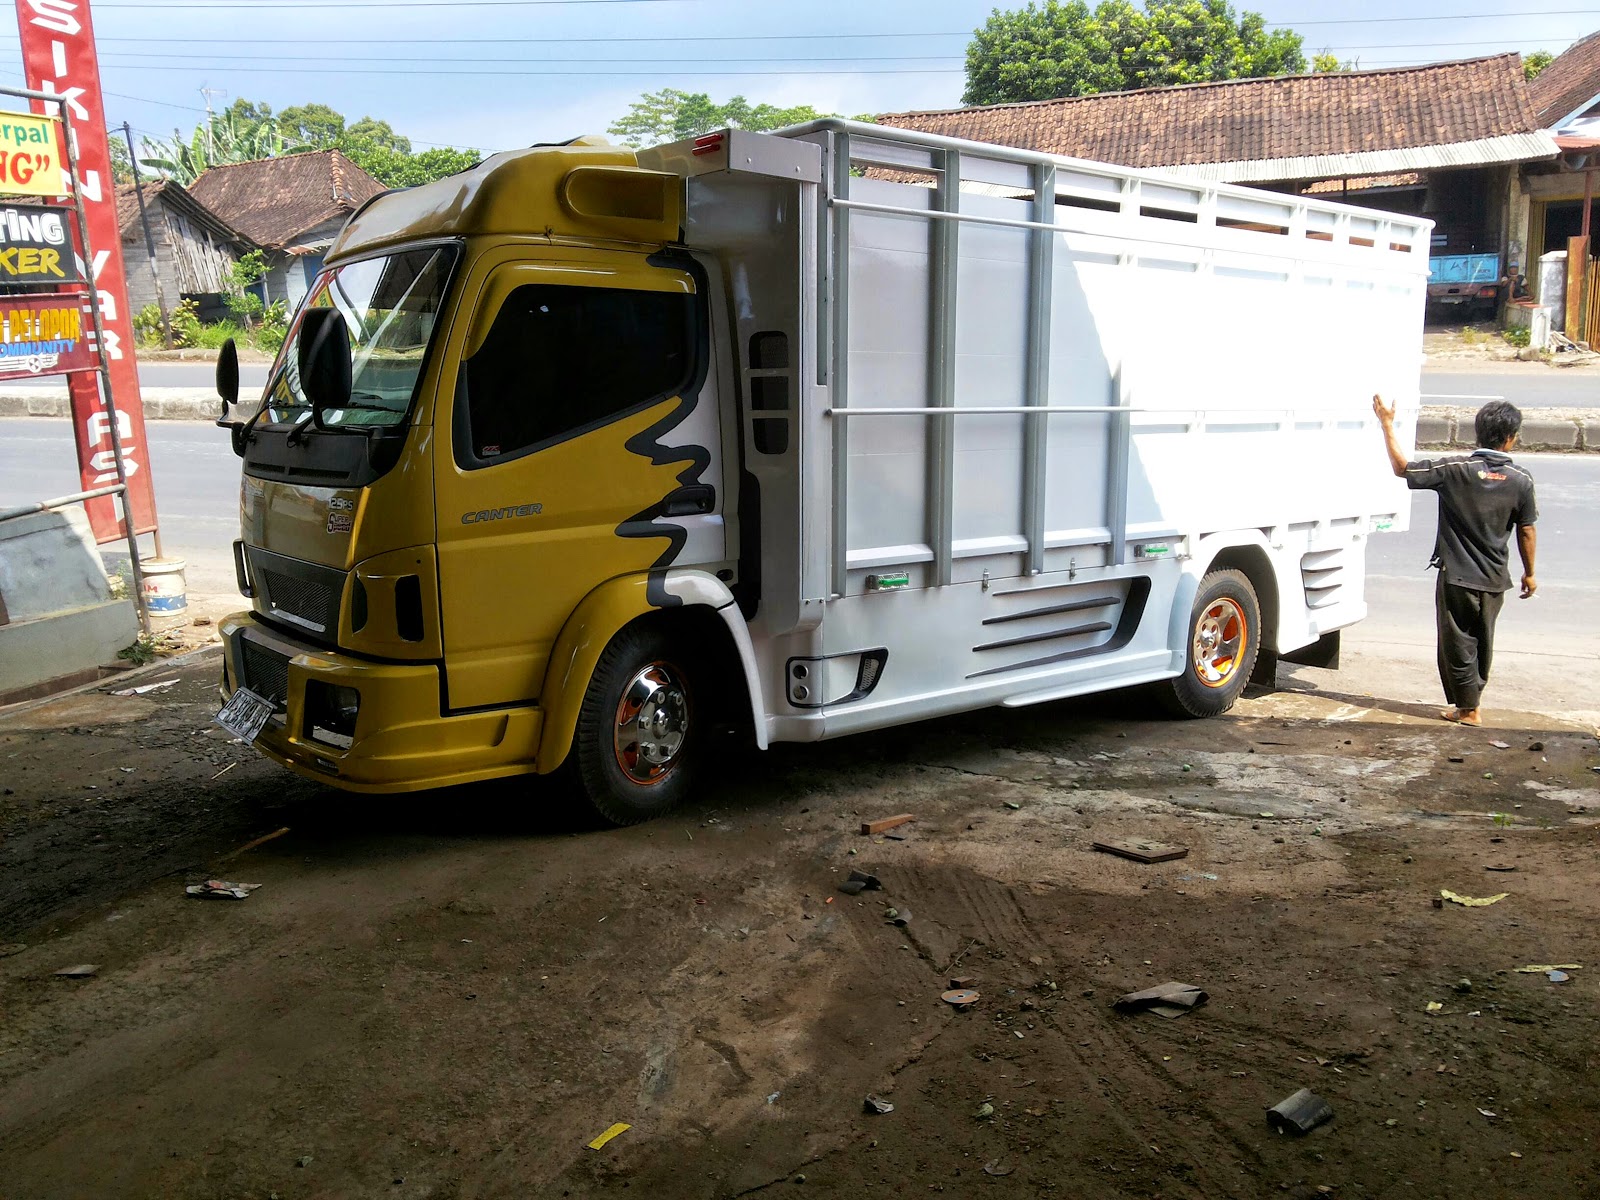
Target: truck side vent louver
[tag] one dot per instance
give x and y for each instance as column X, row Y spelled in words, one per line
column 408, row 607
column 1322, row 573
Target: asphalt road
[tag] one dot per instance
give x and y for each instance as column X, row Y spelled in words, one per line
column 1535, row 388
column 167, row 375
column 1548, row 646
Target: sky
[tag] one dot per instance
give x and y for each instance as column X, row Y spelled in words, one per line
column 496, row 74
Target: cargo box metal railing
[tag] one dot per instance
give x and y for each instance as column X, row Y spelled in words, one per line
column 1121, row 212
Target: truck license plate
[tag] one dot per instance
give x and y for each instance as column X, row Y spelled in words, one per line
column 245, row 714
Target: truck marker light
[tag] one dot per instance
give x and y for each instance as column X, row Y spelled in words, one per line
column 882, row 583
column 709, row 144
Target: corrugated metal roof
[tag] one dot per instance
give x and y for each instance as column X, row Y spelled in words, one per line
column 1508, row 148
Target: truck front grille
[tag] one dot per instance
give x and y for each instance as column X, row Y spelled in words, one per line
column 305, row 595
column 265, row 672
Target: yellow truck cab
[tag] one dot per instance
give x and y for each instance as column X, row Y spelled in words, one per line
column 580, row 453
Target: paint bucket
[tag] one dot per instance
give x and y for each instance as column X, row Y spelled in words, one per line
column 165, row 592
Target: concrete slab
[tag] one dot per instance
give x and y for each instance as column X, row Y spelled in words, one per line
column 64, row 645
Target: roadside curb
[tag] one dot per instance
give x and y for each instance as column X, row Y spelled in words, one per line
column 160, row 404
column 1543, row 429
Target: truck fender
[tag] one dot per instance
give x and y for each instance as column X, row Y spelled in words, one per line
column 1207, row 550
column 598, row 618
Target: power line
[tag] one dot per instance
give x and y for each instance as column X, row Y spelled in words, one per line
column 1500, row 16
column 489, row 74
column 116, row 57
column 387, row 4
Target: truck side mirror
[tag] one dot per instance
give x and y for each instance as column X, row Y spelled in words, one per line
column 323, row 356
column 228, row 376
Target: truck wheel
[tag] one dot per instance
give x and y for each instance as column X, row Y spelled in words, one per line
column 640, row 729
column 1224, row 638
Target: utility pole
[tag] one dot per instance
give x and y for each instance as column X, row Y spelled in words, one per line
column 149, row 242
column 211, row 143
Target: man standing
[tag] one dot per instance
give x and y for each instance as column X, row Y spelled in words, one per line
column 1482, row 498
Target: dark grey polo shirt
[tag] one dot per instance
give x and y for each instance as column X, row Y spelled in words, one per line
column 1482, row 497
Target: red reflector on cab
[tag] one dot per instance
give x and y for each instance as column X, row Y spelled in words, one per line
column 709, row 144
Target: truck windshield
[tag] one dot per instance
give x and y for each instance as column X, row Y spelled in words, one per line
column 390, row 305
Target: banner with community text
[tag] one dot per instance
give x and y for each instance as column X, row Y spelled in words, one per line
column 43, row 334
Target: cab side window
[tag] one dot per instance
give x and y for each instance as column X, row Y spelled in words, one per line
column 560, row 361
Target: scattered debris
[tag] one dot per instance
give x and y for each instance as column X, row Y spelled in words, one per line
column 860, row 881
column 1300, row 1113
column 304, row 1160
column 1470, row 901
column 1463, row 985
column 1546, row 968
column 1458, row 758
column 878, row 1105
column 260, row 841
column 1535, row 747
column 225, row 770
column 1166, row 1000
column 985, row 1111
column 868, row 828
column 1438, row 901
column 1142, row 851
column 605, row 1137
column 994, row 1168
column 7, row 949
column 146, row 687
column 1499, row 745
column 221, row 889
column 1499, row 867
column 773, row 1097
column 1011, row 804
column 962, row 981
column 959, row 998
column 1434, row 1006
column 1557, row 976
column 901, row 917
column 78, row 971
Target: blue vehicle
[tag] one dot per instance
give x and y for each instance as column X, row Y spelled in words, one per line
column 1470, row 279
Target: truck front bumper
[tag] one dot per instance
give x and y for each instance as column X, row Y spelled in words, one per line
column 402, row 738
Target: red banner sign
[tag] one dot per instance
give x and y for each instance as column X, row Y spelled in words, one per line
column 58, row 55
column 44, row 335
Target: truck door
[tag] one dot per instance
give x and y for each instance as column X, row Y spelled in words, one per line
column 583, row 444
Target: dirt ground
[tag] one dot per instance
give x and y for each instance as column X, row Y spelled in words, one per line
column 450, row 996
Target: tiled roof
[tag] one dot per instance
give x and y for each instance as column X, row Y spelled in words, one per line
column 171, row 194
column 1334, row 187
column 273, row 201
column 1568, row 82
column 1353, row 116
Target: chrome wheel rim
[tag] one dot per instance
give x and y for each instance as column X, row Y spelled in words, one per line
column 651, row 723
column 1221, row 633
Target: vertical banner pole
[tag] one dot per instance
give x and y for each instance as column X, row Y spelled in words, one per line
column 59, row 58
column 105, row 376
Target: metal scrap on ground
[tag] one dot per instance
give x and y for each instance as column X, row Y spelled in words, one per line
column 1142, row 851
column 1165, row 999
column 79, row 971
column 1299, row 1113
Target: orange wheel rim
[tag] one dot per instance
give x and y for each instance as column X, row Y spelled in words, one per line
column 1221, row 637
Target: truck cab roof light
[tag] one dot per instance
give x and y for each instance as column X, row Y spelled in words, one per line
column 708, row 144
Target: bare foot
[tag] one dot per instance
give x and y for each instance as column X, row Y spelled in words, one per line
column 1457, row 716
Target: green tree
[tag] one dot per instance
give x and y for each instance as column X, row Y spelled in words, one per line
column 396, row 169
column 225, row 139
column 368, row 131
column 316, row 125
column 670, row 116
column 1065, row 48
column 1533, row 63
column 1329, row 64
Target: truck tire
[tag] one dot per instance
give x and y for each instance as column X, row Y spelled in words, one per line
column 1224, row 639
column 640, row 730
